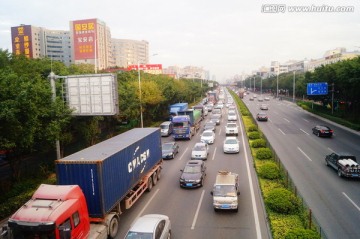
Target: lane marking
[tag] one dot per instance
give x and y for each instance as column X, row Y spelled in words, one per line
column 306, row 120
column 331, row 149
column 183, row 153
column 281, row 131
column 304, row 154
column 286, row 120
column 352, row 202
column 304, row 131
column 213, row 157
column 252, row 193
column 147, row 204
column 219, row 131
column 270, row 120
column 197, row 210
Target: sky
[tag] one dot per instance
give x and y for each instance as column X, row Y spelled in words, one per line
column 227, row 38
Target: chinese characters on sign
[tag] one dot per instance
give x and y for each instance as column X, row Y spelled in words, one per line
column 21, row 38
column 320, row 88
column 147, row 68
column 84, row 39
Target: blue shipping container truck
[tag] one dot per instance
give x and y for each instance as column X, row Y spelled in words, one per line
column 108, row 171
column 175, row 108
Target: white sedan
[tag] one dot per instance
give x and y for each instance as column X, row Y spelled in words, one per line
column 208, row 136
column 150, row 226
column 231, row 145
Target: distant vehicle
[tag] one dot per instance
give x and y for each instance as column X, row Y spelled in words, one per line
column 219, row 106
column 166, row 128
column 232, row 107
column 264, row 107
column 186, row 124
column 231, row 129
column 251, row 98
column 217, row 111
column 344, row 163
column 254, row 95
column 193, row 174
column 232, row 116
column 200, row 151
column 169, row 150
column 267, row 98
column 210, row 125
column 208, row 136
column 175, row 108
column 150, row 226
column 260, row 99
column 262, row 116
column 225, row 191
column 322, row 131
column 216, row 118
column 231, row 145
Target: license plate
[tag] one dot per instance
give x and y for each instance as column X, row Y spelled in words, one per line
column 225, row 206
column 355, row 175
column 189, row 184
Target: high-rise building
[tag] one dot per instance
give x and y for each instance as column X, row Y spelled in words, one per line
column 91, row 41
column 38, row 42
column 130, row 52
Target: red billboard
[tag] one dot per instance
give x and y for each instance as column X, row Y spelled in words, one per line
column 84, row 32
column 21, row 40
column 148, row 68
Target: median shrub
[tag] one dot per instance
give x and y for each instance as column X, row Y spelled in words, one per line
column 300, row 233
column 264, row 153
column 283, row 201
column 258, row 143
column 269, row 171
column 252, row 128
column 254, row 135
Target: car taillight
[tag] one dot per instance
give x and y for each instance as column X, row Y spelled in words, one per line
column 331, row 131
column 322, row 131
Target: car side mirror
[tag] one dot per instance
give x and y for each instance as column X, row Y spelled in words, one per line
column 211, row 193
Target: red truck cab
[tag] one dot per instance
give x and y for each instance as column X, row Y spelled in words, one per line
column 53, row 212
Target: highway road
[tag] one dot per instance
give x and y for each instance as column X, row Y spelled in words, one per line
column 334, row 201
column 190, row 210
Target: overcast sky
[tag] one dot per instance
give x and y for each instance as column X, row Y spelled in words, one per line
column 226, row 37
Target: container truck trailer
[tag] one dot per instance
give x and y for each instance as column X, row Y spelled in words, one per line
column 95, row 186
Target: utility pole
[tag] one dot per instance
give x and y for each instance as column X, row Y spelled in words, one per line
column 294, row 88
column 332, row 98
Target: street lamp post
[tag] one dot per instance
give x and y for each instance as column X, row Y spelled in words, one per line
column 141, row 113
column 294, row 88
column 277, row 84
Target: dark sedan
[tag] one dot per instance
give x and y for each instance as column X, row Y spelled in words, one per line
column 262, row 116
column 169, row 150
column 322, row 131
column 193, row 175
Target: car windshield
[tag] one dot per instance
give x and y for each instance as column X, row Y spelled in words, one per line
column 207, row 134
column 139, row 235
column 232, row 113
column 199, row 147
column 164, row 126
column 224, row 191
column 192, row 169
column 231, row 126
column 231, row 141
column 167, row 146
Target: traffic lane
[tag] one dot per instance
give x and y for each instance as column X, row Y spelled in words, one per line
column 309, row 144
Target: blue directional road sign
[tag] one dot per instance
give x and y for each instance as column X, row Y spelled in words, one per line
column 319, row 88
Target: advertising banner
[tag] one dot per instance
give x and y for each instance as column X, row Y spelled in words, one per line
column 21, row 40
column 84, row 32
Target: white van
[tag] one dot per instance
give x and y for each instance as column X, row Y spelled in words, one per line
column 225, row 192
column 166, row 128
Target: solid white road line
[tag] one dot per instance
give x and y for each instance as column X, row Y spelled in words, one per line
column 197, row 210
column 253, row 202
column 286, row 120
column 304, row 154
column 306, row 120
column 281, row 131
column 331, row 149
column 304, row 131
column 352, row 202
column 183, row 153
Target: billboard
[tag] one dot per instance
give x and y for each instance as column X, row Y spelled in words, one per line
column 319, row 88
column 148, row 68
column 84, row 32
column 95, row 94
column 22, row 41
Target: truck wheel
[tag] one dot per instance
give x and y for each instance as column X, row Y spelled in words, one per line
column 150, row 184
column 339, row 173
column 154, row 178
column 169, row 236
column 236, row 210
column 113, row 227
column 158, row 174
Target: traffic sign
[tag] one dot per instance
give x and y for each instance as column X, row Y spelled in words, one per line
column 319, row 88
